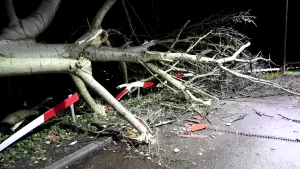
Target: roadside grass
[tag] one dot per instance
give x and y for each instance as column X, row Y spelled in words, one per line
column 271, row 75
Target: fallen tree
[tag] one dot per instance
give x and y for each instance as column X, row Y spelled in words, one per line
column 208, row 49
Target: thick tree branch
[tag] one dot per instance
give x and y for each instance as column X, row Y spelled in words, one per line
column 96, row 24
column 31, row 49
column 34, row 24
column 122, row 65
column 108, row 55
column 29, row 66
column 94, row 31
column 123, row 68
column 101, row 91
column 13, row 19
column 98, row 109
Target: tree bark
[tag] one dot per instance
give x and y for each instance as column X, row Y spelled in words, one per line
column 98, row 109
column 31, row 26
column 101, row 91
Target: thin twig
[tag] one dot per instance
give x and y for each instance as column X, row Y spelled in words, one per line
column 155, row 76
column 204, row 117
column 268, row 115
column 200, row 38
column 256, row 80
column 129, row 22
column 164, row 123
column 87, row 20
column 191, row 120
column 257, row 112
column 203, row 75
column 138, row 18
column 171, row 48
column 240, row 117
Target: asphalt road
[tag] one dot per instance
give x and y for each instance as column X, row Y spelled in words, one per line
column 224, row 151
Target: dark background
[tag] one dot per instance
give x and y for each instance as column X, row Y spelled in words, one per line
column 160, row 17
column 163, row 17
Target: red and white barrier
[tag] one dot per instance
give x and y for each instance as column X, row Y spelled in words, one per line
column 129, row 86
column 38, row 121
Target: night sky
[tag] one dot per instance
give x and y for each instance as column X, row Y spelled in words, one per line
column 163, row 17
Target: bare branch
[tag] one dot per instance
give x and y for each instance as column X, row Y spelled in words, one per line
column 129, row 22
column 96, row 24
column 188, row 95
column 122, row 65
column 101, row 91
column 34, row 24
column 87, row 97
column 138, row 18
column 233, row 57
column 256, row 80
column 142, row 48
column 172, row 46
column 123, row 68
column 212, row 73
column 200, row 38
column 30, row 66
column 94, row 32
column 110, row 31
column 108, row 55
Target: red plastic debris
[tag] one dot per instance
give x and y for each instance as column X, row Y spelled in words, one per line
column 53, row 137
column 197, row 117
column 193, row 136
column 178, row 75
column 196, row 127
column 141, row 121
column 150, row 84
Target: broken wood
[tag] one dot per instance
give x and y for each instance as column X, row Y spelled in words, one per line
column 164, row 123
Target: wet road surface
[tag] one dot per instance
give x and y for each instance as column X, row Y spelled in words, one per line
column 223, row 150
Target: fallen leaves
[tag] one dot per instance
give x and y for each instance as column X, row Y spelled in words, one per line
column 197, row 117
column 197, row 127
column 194, row 125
